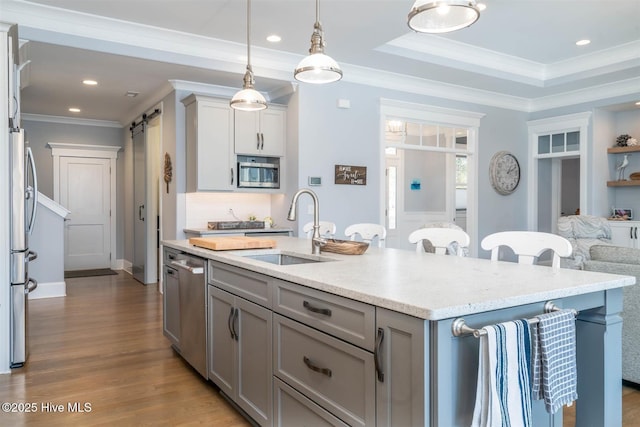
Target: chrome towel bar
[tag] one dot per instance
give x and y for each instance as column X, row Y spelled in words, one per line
column 459, row 327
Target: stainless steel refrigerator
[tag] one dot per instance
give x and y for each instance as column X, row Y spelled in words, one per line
column 23, row 191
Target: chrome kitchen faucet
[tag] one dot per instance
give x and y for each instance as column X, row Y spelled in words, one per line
column 316, row 240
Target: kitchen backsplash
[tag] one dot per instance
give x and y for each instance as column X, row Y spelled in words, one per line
column 204, row 207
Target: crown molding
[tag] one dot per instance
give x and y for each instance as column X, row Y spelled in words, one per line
column 590, row 94
column 463, row 56
column 70, row 120
column 55, row 25
column 416, row 85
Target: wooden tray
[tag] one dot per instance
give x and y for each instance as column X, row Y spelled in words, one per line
column 232, row 243
column 635, row 176
column 344, row 247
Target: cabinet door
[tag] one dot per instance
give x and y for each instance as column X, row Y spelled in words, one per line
column 221, row 340
column 625, row 233
column 171, row 306
column 260, row 133
column 247, row 132
column 273, row 132
column 402, row 392
column 209, row 138
column 255, row 380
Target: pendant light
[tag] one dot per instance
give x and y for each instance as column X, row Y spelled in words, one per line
column 248, row 99
column 442, row 16
column 317, row 68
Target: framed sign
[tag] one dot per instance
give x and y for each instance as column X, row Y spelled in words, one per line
column 351, row 175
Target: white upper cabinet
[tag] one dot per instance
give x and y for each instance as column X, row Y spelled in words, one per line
column 625, row 233
column 261, row 133
column 209, row 142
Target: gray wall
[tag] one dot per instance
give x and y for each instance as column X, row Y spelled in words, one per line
column 328, row 135
column 39, row 133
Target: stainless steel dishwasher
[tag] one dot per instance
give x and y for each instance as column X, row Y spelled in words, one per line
column 192, row 285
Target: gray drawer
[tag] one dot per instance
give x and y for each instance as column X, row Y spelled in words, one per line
column 350, row 320
column 335, row 375
column 293, row 409
column 246, row 284
column 169, row 255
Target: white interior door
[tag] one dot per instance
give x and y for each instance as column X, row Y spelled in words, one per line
column 424, row 189
column 85, row 190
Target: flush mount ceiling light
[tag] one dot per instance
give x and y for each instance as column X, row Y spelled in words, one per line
column 317, row 68
column 248, row 99
column 442, row 16
column 89, row 82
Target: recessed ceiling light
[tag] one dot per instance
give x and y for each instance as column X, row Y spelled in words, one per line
column 132, row 94
column 274, row 38
column 74, row 110
column 583, row 42
column 89, row 82
column 481, row 6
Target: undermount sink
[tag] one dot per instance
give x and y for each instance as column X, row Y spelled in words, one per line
column 283, row 259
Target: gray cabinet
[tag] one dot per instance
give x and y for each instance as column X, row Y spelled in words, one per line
column 292, row 408
column 209, row 144
column 291, row 355
column 240, row 356
column 336, row 375
column 349, row 320
column 171, row 306
column 401, row 356
column 260, row 133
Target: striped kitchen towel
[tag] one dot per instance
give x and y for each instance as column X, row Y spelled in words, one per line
column 503, row 391
column 554, row 359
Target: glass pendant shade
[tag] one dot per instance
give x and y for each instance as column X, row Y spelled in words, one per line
column 248, row 99
column 318, row 67
column 442, row 16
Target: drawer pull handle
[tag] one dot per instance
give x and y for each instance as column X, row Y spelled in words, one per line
column 377, row 355
column 310, row 365
column 309, row 307
column 636, row 228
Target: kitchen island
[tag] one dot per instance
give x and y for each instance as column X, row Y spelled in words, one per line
column 378, row 327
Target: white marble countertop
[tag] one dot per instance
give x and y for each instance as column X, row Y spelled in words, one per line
column 427, row 286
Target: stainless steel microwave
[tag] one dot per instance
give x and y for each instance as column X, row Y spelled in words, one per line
column 258, row 175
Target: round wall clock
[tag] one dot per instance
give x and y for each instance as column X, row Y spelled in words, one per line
column 504, row 172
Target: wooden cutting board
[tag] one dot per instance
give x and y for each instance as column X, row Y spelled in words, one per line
column 232, row 243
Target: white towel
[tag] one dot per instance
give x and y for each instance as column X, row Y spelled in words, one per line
column 503, row 393
column 554, row 359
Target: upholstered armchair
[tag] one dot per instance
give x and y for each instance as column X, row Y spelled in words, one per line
column 621, row 260
column 583, row 231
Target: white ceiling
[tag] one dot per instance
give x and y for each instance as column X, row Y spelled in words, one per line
column 520, row 54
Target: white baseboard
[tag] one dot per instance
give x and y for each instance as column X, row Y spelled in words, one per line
column 117, row 264
column 127, row 266
column 49, row 290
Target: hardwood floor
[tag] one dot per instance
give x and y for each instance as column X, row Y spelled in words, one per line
column 102, row 345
